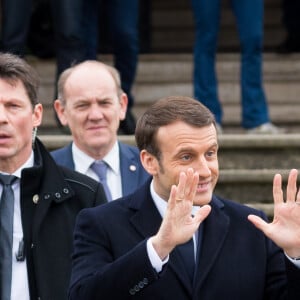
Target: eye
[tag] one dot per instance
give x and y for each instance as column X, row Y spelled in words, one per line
column 105, row 102
column 13, row 105
column 81, row 105
column 186, row 157
column 211, row 153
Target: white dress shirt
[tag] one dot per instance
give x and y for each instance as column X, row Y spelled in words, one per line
column 19, row 282
column 82, row 163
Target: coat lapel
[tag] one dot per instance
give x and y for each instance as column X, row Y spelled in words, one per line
column 146, row 219
column 129, row 170
column 215, row 230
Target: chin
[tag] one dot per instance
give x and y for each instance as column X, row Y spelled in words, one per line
column 203, row 199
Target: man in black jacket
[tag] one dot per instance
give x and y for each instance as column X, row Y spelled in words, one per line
column 47, row 198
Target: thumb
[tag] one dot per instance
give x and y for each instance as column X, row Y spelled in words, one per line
column 202, row 213
column 259, row 223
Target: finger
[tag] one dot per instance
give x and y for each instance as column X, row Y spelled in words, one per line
column 173, row 197
column 202, row 213
column 259, row 223
column 181, row 186
column 291, row 189
column 277, row 189
column 191, row 184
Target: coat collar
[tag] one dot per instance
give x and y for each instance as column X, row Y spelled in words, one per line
column 146, row 219
column 49, row 180
column 44, row 183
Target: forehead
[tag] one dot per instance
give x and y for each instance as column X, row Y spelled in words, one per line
column 90, row 77
column 179, row 135
column 13, row 90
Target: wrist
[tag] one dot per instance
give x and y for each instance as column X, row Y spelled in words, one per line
column 162, row 250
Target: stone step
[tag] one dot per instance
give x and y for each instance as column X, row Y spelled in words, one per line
column 241, row 151
column 179, row 67
column 249, row 186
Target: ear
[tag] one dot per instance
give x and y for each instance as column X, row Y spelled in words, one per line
column 60, row 111
column 37, row 115
column 123, row 100
column 149, row 162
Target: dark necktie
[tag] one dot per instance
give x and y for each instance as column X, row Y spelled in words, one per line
column 6, row 234
column 100, row 168
column 187, row 253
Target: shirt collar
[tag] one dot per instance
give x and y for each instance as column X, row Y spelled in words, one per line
column 28, row 164
column 83, row 161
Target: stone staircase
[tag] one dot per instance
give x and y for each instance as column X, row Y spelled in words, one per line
column 161, row 75
column 248, row 163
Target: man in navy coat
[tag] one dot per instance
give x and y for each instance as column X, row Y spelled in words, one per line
column 92, row 103
column 139, row 247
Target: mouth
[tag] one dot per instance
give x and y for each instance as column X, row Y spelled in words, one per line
column 4, row 136
column 203, row 187
column 4, row 140
column 96, row 127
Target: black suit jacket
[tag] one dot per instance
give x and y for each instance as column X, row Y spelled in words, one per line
column 237, row 261
column 51, row 197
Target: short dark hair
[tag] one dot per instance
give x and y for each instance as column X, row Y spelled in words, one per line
column 14, row 68
column 166, row 111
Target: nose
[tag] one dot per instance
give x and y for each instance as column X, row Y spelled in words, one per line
column 203, row 167
column 95, row 113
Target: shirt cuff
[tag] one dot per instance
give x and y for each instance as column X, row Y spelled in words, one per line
column 155, row 260
column 295, row 262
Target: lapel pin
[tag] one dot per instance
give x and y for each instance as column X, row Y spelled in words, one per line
column 132, row 168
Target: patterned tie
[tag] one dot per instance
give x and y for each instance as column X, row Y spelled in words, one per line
column 100, row 168
column 6, row 234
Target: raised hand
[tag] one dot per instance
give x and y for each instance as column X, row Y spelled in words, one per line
column 178, row 225
column 285, row 228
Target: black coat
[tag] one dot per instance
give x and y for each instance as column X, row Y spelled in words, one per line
column 236, row 261
column 51, row 197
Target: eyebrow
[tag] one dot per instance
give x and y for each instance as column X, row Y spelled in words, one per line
column 214, row 144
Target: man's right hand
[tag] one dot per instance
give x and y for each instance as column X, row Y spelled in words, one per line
column 178, row 225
